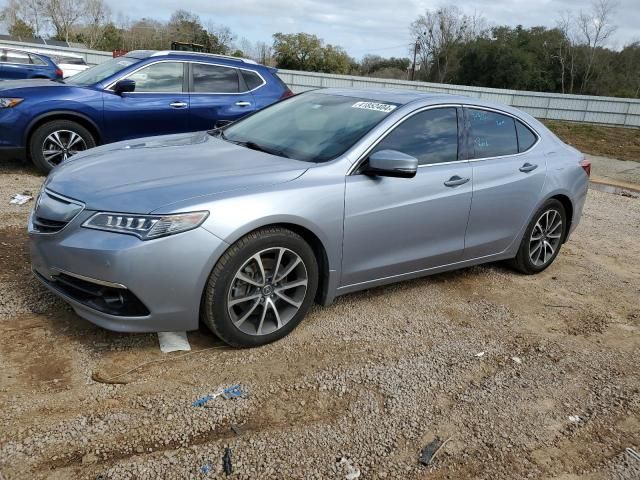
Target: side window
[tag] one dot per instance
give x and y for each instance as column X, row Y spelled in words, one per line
column 163, row 77
column 252, row 79
column 526, row 138
column 14, row 56
column 492, row 134
column 36, row 60
column 215, row 79
column 430, row 136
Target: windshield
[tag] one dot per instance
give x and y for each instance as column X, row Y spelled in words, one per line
column 312, row 127
column 100, row 72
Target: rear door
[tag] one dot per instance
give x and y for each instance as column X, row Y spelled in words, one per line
column 159, row 105
column 217, row 92
column 508, row 175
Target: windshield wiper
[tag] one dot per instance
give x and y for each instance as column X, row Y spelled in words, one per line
column 260, row 148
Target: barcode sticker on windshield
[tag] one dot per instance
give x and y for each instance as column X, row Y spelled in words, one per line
column 379, row 107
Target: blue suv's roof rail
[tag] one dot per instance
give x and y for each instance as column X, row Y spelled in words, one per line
column 202, row 54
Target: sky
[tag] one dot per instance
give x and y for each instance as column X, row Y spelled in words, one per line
column 367, row 26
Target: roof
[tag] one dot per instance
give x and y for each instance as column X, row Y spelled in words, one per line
column 403, row 97
column 392, row 95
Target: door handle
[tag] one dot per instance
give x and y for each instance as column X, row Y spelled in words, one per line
column 456, row 181
column 528, row 167
column 243, row 104
column 178, row 104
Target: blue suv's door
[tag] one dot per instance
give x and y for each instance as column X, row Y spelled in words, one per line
column 217, row 92
column 159, row 105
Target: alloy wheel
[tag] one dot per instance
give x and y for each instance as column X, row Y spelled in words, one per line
column 60, row 145
column 546, row 237
column 267, row 291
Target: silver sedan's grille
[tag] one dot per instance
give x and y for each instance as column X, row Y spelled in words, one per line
column 53, row 212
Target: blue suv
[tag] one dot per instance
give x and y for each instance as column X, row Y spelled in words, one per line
column 141, row 94
column 18, row 64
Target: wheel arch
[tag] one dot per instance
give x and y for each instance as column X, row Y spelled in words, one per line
column 40, row 120
column 325, row 292
column 568, row 209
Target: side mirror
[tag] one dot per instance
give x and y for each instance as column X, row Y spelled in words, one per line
column 391, row 163
column 222, row 123
column 124, row 86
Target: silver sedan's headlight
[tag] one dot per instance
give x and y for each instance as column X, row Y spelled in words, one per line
column 146, row 227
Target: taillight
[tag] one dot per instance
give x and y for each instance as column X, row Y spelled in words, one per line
column 586, row 166
column 59, row 73
column 287, row 93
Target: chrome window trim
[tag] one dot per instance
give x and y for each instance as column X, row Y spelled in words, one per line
column 357, row 163
column 60, row 197
column 109, row 87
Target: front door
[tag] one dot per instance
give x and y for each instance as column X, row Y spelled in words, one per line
column 217, row 93
column 401, row 225
column 159, row 105
column 509, row 172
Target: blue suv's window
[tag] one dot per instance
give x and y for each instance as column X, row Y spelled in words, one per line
column 252, row 79
column 163, row 77
column 101, row 72
column 17, row 57
column 37, row 60
column 215, row 79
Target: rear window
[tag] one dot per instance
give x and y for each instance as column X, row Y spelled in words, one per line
column 492, row 134
column 214, row 79
column 36, row 60
column 526, row 138
column 252, row 79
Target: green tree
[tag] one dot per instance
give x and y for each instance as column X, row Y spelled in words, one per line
column 297, row 51
column 186, row 27
column 21, row 29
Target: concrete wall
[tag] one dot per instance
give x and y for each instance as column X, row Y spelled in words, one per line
column 555, row 106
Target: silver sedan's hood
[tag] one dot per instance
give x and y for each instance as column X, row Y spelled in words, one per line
column 142, row 175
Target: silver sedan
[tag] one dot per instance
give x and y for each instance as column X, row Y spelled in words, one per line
column 326, row 193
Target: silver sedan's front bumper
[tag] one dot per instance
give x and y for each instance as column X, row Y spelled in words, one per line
column 122, row 283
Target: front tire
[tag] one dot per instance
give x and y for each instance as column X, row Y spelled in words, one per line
column 55, row 141
column 542, row 239
column 261, row 288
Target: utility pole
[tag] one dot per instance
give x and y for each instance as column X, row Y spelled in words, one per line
column 416, row 49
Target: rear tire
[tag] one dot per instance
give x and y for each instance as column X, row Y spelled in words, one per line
column 65, row 137
column 261, row 288
column 542, row 239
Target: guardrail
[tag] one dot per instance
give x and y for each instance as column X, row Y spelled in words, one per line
column 92, row 57
column 552, row 106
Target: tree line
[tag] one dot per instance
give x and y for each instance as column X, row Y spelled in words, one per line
column 449, row 46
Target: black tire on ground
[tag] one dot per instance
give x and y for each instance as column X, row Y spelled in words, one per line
column 522, row 261
column 37, row 140
column 214, row 309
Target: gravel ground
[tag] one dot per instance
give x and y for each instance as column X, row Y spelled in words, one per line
column 529, row 377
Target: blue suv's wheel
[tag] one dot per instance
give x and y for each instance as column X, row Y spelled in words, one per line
column 55, row 141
